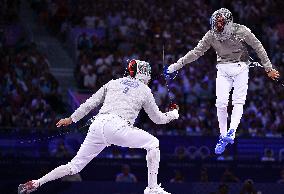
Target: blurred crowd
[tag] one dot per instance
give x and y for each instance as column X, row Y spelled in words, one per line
column 29, row 94
column 139, row 29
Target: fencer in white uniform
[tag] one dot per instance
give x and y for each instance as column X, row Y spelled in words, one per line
column 229, row 40
column 122, row 101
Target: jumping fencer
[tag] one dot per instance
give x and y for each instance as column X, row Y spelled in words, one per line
column 229, row 40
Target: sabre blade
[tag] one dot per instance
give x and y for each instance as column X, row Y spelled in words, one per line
column 88, row 123
column 167, row 85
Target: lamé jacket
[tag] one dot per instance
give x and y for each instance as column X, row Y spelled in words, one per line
column 231, row 50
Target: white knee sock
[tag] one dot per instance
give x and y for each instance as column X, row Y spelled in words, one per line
column 57, row 173
column 236, row 116
column 222, row 119
column 152, row 179
column 153, row 159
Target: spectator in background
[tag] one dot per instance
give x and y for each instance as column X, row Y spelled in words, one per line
column 178, row 178
column 61, row 151
column 90, row 79
column 90, row 20
column 229, row 177
column 115, row 153
column 248, row 187
column 180, row 153
column 38, row 103
column 125, row 176
column 204, row 175
column 281, row 180
column 268, row 155
column 223, row 189
column 84, row 42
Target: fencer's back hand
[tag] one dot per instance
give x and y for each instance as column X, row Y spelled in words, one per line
column 273, row 74
column 64, row 122
column 175, row 113
column 174, row 108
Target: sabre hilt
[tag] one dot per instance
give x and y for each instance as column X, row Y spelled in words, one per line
column 173, row 106
column 257, row 64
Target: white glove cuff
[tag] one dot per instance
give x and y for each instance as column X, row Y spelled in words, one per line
column 175, row 114
column 171, row 68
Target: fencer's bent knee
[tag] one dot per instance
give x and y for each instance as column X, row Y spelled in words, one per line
column 155, row 143
column 152, row 143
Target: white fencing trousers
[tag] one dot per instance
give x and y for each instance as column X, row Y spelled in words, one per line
column 231, row 75
column 107, row 129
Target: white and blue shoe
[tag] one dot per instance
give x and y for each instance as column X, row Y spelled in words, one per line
column 28, row 187
column 230, row 137
column 221, row 145
column 156, row 190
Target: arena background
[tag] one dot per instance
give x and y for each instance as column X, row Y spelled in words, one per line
column 55, row 53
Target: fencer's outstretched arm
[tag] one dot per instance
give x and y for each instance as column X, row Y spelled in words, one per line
column 155, row 114
column 252, row 41
column 96, row 99
column 202, row 46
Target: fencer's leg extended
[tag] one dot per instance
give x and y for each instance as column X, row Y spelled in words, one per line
column 223, row 87
column 240, row 85
column 91, row 147
column 83, row 157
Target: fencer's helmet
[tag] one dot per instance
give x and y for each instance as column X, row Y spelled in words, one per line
column 140, row 70
column 221, row 23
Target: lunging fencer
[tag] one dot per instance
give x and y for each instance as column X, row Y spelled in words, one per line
column 229, row 40
column 122, row 100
